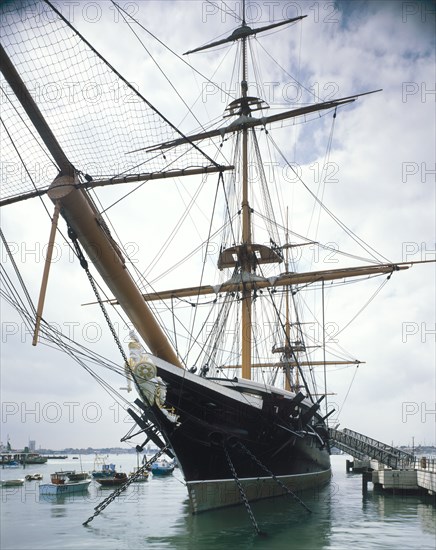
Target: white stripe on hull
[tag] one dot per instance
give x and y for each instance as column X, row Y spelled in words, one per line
column 211, row 494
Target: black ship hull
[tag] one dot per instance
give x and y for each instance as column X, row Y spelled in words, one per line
column 219, row 428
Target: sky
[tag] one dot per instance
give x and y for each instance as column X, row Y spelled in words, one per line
column 382, row 186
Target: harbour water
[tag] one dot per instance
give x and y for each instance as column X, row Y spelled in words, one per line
column 155, row 514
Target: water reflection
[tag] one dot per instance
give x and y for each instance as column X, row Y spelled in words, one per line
column 281, row 519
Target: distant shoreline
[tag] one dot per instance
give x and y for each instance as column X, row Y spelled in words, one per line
column 71, row 451
column 419, row 450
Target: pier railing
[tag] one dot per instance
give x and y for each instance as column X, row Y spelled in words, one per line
column 425, row 463
column 362, row 446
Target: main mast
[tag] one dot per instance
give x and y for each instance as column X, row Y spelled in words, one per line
column 248, row 254
column 246, row 221
column 243, row 258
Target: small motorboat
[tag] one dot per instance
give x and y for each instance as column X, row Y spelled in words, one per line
column 143, row 476
column 11, row 464
column 62, row 474
column 11, row 482
column 77, row 476
column 61, row 486
column 119, row 478
column 33, row 477
column 162, row 467
column 106, row 470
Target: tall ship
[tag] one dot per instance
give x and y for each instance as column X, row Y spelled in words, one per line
column 229, row 365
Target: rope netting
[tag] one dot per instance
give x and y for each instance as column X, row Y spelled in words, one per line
column 95, row 116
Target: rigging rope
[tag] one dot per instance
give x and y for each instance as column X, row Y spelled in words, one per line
column 84, row 264
column 126, row 82
column 300, row 370
column 272, row 229
column 322, row 180
column 230, row 218
column 18, row 274
column 232, row 12
column 123, row 12
column 364, row 306
column 50, row 336
column 169, row 49
column 220, row 176
column 348, row 391
column 29, row 129
column 311, row 92
column 342, row 225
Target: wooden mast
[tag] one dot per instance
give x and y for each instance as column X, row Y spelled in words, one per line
column 287, row 384
column 246, row 336
column 42, row 292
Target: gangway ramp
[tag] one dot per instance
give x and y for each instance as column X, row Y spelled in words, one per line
column 361, row 446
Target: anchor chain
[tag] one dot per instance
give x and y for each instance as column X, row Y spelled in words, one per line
column 275, row 478
column 100, row 507
column 242, row 493
column 84, row 264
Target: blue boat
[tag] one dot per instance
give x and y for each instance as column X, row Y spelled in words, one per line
column 11, row 464
column 162, row 467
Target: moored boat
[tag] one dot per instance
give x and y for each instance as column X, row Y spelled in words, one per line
column 61, row 486
column 34, row 477
column 106, row 470
column 78, row 476
column 11, row 482
column 11, row 464
column 118, row 478
column 32, row 458
column 140, row 478
column 162, row 468
column 141, row 474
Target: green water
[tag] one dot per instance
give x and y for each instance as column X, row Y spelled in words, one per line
column 156, row 515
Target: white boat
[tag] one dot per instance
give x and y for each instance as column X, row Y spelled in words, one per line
column 34, row 477
column 60, row 485
column 11, row 482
